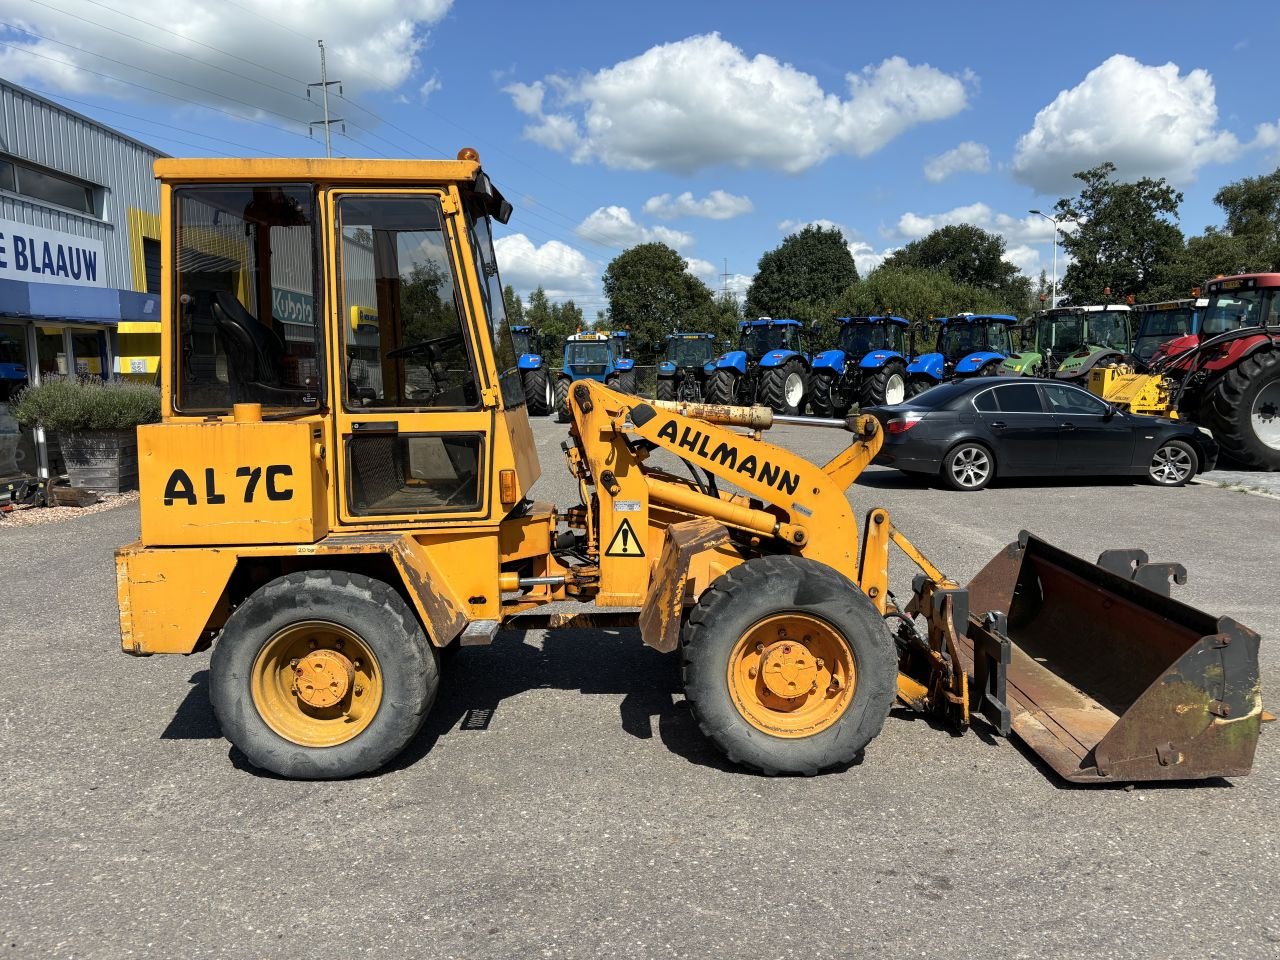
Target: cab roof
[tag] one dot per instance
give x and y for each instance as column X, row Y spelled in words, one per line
column 691, row 336
column 1189, row 304
column 769, row 322
column 1085, row 308
column 977, row 318
column 322, row 169
column 1244, row 281
column 886, row 319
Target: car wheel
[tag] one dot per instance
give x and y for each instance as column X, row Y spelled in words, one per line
column 1173, row 464
column 969, row 466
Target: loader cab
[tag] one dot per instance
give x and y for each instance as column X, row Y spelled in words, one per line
column 361, row 302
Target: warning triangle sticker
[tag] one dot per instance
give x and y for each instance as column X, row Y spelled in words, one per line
column 625, row 543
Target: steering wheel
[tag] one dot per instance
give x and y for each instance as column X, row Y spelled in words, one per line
column 425, row 346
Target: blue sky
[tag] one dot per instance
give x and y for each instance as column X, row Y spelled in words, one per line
column 714, row 127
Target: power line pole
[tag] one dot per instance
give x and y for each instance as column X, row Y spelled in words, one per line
column 724, row 279
column 324, row 85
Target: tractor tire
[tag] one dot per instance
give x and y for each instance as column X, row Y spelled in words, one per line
column 918, row 385
column 886, row 387
column 722, row 388
column 783, row 388
column 989, row 369
column 627, row 382
column 359, row 642
column 1174, row 464
column 968, row 467
column 562, row 400
column 757, row 636
column 824, row 393
column 666, row 389
column 537, row 392
column 1242, row 411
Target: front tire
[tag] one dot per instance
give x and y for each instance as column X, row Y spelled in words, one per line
column 1173, row 464
column 322, row 674
column 1243, row 411
column 824, row 395
column 626, row 382
column 788, row 666
column 562, row 400
column 918, row 385
column 783, row 388
column 886, row 387
column 666, row 389
column 537, row 392
column 968, row 467
column 722, row 388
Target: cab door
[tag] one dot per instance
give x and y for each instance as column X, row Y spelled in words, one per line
column 414, row 412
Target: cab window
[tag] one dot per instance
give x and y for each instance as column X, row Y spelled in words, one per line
column 405, row 341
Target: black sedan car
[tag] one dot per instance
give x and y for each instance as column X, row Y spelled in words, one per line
column 971, row 431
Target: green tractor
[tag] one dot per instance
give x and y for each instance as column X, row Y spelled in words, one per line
column 1068, row 342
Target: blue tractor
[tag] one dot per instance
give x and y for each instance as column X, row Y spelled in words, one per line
column 685, row 366
column 538, row 394
column 770, row 366
column 868, row 366
column 969, row 345
column 601, row 355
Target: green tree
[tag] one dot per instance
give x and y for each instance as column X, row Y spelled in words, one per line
column 515, row 309
column 1127, row 240
column 802, row 277
column 650, row 294
column 1249, row 240
column 725, row 318
column 965, row 253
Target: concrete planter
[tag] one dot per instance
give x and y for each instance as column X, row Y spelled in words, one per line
column 102, row 460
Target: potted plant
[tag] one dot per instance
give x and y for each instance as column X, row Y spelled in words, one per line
column 96, row 422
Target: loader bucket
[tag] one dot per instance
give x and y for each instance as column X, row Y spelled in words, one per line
column 1107, row 677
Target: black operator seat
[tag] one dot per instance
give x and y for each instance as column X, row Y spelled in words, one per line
column 255, row 354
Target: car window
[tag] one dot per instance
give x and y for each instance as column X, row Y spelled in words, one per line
column 1064, row 399
column 986, row 401
column 1019, row 398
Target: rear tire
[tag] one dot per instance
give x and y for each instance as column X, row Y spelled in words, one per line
column 666, row 389
column 823, row 394
column 346, row 615
column 968, row 467
column 819, row 728
column 886, row 387
column 562, row 400
column 722, row 388
column 1173, row 464
column 918, row 385
column 1243, row 411
column 627, row 382
column 537, row 395
column 783, row 388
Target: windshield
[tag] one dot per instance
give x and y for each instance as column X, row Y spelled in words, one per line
column 691, row 352
column 1239, row 308
column 587, row 351
column 758, row 341
column 960, row 339
column 504, row 351
column 859, row 338
column 520, row 341
column 1160, row 326
column 1060, row 335
column 1109, row 328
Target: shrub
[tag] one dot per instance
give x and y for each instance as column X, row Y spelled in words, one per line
column 68, row 405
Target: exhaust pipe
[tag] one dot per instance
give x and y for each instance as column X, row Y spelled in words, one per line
column 1107, row 677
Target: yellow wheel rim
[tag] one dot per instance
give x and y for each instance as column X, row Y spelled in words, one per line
column 317, row 684
column 792, row 675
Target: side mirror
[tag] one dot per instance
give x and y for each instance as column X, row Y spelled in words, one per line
column 1111, row 411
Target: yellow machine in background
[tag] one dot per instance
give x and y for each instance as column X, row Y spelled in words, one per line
column 1142, row 393
column 328, row 513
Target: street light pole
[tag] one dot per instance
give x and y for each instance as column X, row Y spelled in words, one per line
column 1053, row 296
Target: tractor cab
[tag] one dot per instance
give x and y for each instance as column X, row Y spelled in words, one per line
column 770, row 366
column 685, row 365
column 1235, row 303
column 1067, row 342
column 526, row 342
column 759, row 338
column 862, row 335
column 868, row 366
column 1158, row 324
column 968, row 345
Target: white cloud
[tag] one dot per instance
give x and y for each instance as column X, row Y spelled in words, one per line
column 1148, row 120
column 1026, row 259
column 430, row 87
column 795, row 226
column 1028, row 229
column 717, row 205
column 704, row 270
column 866, row 257
column 968, row 157
column 561, row 270
column 614, row 226
column 701, row 102
column 372, row 45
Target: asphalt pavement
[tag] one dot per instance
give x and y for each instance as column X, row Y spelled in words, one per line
column 561, row 802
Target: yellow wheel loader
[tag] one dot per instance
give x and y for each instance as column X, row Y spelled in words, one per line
column 331, row 506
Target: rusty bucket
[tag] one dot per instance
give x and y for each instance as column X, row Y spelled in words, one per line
column 1107, row 677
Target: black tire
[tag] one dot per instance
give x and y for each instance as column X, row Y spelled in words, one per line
column 1229, row 410
column 626, row 381
column 968, row 467
column 666, row 388
column 918, row 385
column 777, row 381
column 989, row 369
column 536, row 395
column 562, row 400
column 369, row 609
column 877, row 387
column 1174, row 464
column 824, row 389
column 722, row 388
column 735, row 603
